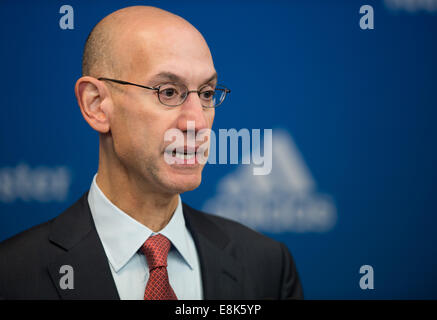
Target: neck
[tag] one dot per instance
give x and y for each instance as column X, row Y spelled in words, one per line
column 129, row 192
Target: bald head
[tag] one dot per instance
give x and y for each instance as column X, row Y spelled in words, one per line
column 151, row 48
column 132, row 29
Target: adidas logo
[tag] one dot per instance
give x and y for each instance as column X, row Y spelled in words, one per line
column 286, row 200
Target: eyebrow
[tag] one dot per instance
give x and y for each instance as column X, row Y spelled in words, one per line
column 170, row 76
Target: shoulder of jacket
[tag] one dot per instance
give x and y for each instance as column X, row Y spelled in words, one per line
column 236, row 231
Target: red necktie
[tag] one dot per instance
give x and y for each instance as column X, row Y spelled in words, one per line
column 156, row 251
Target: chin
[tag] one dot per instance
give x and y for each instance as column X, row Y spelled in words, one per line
column 184, row 185
column 180, row 183
column 179, row 178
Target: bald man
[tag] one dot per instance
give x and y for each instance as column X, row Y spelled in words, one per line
column 145, row 72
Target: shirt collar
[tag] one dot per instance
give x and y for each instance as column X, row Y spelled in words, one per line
column 122, row 236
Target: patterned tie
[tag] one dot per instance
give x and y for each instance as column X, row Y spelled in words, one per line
column 156, row 251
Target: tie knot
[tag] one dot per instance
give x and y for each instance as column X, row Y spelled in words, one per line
column 156, row 251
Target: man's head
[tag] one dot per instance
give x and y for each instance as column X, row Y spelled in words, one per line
column 151, row 47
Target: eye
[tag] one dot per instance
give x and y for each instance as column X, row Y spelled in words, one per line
column 169, row 92
column 207, row 94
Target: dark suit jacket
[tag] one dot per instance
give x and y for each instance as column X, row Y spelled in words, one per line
column 236, row 262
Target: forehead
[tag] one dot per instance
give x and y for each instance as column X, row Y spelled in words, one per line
column 181, row 51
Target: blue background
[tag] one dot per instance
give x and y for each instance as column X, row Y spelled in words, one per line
column 360, row 105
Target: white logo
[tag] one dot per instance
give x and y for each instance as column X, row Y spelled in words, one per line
column 412, row 6
column 67, row 20
column 201, row 147
column 67, row 280
column 41, row 184
column 366, row 21
column 366, row 281
column 285, row 200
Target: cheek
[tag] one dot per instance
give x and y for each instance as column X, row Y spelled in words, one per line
column 127, row 129
column 139, row 131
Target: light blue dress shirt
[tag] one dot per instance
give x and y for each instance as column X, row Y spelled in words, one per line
column 122, row 237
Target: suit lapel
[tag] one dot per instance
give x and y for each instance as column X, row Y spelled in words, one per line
column 74, row 232
column 221, row 272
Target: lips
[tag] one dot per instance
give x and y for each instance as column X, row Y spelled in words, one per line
column 184, row 155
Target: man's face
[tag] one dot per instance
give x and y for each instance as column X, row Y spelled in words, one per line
column 139, row 120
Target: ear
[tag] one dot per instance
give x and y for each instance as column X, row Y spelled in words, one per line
column 95, row 102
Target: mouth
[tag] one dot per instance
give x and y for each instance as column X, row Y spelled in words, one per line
column 186, row 156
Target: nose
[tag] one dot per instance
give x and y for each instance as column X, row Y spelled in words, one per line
column 192, row 110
